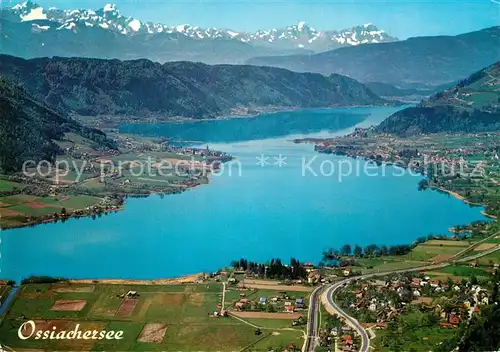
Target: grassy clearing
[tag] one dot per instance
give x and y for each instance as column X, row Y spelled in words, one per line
column 489, row 259
column 279, row 341
column 437, row 249
column 421, row 254
column 387, row 263
column 73, row 202
column 9, row 185
column 393, row 265
column 418, row 340
column 457, row 272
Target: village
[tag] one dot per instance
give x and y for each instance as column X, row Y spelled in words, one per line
column 451, row 151
column 86, row 182
column 381, row 304
column 266, row 305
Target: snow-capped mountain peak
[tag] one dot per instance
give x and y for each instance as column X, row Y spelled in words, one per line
column 109, row 7
column 29, row 11
column 109, row 18
column 301, row 25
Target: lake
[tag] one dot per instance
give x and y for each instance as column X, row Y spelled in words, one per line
column 270, row 205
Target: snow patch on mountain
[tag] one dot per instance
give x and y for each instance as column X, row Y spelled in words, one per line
column 109, row 7
column 36, row 26
column 299, row 35
column 135, row 25
column 182, row 27
column 34, row 14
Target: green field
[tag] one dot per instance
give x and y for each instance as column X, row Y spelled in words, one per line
column 32, row 206
column 489, row 259
column 187, row 311
column 421, row 255
column 389, row 265
column 426, row 252
column 9, row 185
column 278, row 341
column 417, row 340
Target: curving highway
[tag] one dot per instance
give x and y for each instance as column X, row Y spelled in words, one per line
column 329, row 294
column 331, row 306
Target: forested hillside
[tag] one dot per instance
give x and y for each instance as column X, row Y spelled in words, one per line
column 92, row 87
column 473, row 105
column 28, row 129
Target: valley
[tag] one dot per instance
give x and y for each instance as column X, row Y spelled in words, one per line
column 154, row 174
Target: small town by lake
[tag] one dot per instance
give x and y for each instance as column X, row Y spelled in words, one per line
column 276, row 199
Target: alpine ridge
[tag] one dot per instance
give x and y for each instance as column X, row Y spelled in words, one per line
column 109, row 18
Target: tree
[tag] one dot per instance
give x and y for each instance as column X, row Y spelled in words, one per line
column 383, row 250
column 346, row 249
column 358, row 251
column 482, row 332
column 371, row 250
column 449, row 282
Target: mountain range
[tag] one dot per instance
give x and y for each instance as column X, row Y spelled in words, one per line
column 473, row 105
column 30, row 31
column 142, row 88
column 29, row 129
column 422, row 60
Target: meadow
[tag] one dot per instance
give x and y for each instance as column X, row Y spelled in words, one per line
column 160, row 317
column 15, row 209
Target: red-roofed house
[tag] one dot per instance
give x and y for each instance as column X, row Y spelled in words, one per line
column 454, row 319
column 348, row 343
column 358, row 293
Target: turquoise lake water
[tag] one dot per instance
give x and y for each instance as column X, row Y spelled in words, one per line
column 265, row 212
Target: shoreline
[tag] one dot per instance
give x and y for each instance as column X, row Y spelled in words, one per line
column 190, row 277
column 460, row 197
column 183, row 279
column 262, row 111
column 41, row 221
column 317, row 141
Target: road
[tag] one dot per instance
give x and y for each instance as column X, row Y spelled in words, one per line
column 474, row 245
column 331, row 306
column 312, row 320
column 352, row 322
column 223, row 304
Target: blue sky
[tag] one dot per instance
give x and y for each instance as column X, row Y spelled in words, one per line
column 401, row 18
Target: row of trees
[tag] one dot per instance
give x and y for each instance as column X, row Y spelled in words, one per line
column 374, row 250
column 274, row 269
column 371, row 250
